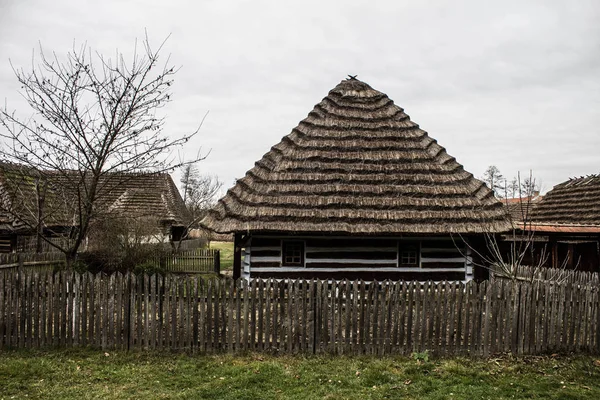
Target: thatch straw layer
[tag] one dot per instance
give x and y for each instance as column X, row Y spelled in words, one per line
column 576, row 201
column 358, row 164
column 132, row 195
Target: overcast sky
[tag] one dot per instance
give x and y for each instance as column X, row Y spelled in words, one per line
column 510, row 83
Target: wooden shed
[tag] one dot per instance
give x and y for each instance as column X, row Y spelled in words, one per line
column 357, row 190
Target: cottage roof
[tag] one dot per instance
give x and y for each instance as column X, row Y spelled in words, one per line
column 574, row 202
column 520, row 208
column 134, row 195
column 358, row 164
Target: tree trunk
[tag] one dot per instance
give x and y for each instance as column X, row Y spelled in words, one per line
column 40, row 189
column 70, row 258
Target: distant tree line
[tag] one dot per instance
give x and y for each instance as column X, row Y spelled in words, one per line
column 515, row 187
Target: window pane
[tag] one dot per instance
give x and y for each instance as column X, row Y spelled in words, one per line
column 293, row 253
column 409, row 255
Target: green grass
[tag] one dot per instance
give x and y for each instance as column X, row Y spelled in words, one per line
column 226, row 249
column 87, row 374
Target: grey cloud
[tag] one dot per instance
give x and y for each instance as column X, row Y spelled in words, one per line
column 511, row 83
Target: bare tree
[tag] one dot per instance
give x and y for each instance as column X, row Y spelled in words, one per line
column 199, row 191
column 94, row 120
column 494, row 179
column 529, row 186
column 519, row 187
column 512, row 188
column 123, row 242
column 521, row 253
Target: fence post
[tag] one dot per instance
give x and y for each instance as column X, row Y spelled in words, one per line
column 20, row 261
column 316, row 313
column 127, row 312
column 217, row 262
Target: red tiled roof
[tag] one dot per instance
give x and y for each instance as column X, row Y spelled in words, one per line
column 520, row 208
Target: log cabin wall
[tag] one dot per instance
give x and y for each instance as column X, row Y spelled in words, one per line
column 7, row 243
column 419, row 258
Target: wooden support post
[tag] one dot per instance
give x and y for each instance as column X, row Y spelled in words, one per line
column 217, row 262
column 13, row 244
column 479, row 250
column 20, row 261
column 570, row 255
column 237, row 256
column 553, row 252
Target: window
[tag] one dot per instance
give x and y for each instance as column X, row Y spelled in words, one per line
column 409, row 255
column 292, row 253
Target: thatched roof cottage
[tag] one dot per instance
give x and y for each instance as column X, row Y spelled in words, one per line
column 357, row 190
column 568, row 219
column 147, row 198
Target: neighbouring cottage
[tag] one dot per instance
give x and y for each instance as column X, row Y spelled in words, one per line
column 566, row 224
column 358, row 191
column 520, row 208
column 31, row 202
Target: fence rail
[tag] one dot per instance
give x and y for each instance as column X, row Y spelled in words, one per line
column 188, row 313
column 183, row 261
column 39, row 262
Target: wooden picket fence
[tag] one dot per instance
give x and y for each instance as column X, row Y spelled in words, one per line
column 559, row 275
column 39, row 262
column 188, row 313
column 190, row 261
column 183, row 261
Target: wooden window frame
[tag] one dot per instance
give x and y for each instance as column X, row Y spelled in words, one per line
column 409, row 246
column 302, row 249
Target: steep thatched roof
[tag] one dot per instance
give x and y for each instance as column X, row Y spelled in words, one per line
column 574, row 202
column 132, row 195
column 358, row 164
column 147, row 195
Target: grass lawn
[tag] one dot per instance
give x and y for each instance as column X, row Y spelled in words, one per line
column 226, row 249
column 87, row 374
